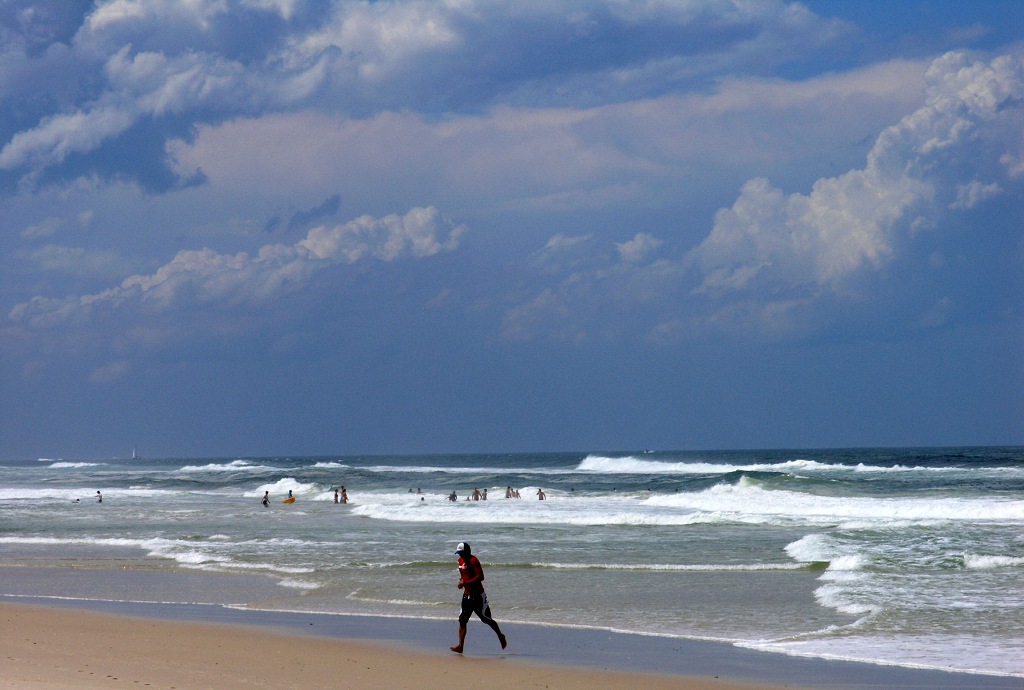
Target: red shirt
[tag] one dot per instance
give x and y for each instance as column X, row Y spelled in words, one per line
column 472, row 574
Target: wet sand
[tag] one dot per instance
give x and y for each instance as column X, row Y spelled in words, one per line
column 46, row 647
column 88, row 644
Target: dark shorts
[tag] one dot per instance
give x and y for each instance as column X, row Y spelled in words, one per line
column 475, row 603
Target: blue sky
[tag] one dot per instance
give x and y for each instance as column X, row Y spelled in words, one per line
column 259, row 227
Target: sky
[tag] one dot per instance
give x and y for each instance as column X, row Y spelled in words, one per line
column 318, row 227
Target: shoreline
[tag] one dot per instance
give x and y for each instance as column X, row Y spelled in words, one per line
column 551, row 655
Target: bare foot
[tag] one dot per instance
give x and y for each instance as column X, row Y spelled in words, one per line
column 457, row 649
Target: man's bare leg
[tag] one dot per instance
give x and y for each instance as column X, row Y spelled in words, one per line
column 462, row 640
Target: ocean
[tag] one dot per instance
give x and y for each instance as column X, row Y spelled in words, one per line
column 912, row 557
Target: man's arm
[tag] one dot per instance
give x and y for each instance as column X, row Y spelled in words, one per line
column 477, row 569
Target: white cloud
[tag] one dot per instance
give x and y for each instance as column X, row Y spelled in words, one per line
column 379, row 38
column 200, row 277
column 155, row 58
column 970, row 195
column 142, row 84
column 767, row 238
column 59, row 136
column 45, row 228
column 639, row 248
column 387, row 238
column 544, row 159
column 77, row 261
column 561, row 242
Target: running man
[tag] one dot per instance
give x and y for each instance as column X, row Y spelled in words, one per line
column 474, row 599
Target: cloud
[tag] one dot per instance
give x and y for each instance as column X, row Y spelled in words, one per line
column 387, row 239
column 783, row 265
column 110, row 372
column 204, row 61
column 303, row 218
column 592, row 292
column 770, row 240
column 638, row 248
column 938, row 315
column 204, row 277
column 45, row 228
column 141, row 84
column 970, row 195
column 77, row 261
column 623, row 155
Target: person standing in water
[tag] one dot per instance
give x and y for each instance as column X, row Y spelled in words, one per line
column 266, row 499
column 474, row 599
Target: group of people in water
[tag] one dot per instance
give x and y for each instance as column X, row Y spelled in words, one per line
column 341, row 495
column 478, row 495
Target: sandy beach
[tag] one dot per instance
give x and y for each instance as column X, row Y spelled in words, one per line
column 47, row 647
column 78, row 644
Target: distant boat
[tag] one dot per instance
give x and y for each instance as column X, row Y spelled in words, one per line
column 135, row 453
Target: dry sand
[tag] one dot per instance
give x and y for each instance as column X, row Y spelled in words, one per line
column 45, row 647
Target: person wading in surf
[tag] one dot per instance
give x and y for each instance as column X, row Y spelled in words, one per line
column 474, row 599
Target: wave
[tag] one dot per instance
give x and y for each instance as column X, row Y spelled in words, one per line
column 633, row 465
column 746, row 498
column 436, row 469
column 978, row 562
column 304, row 585
column 286, row 484
column 666, row 567
column 186, row 553
column 745, row 502
column 992, row 656
column 233, row 466
column 71, row 465
column 80, row 494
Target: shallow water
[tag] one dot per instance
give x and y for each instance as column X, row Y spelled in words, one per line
column 913, row 557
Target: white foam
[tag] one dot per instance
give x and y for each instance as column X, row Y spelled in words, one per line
column 970, row 654
column 430, row 469
column 745, row 502
column 633, row 465
column 670, row 567
column 847, row 563
column 282, row 487
column 355, row 596
column 979, row 562
column 233, row 466
column 305, row 585
column 71, row 541
column 747, row 498
column 813, row 548
column 84, row 495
